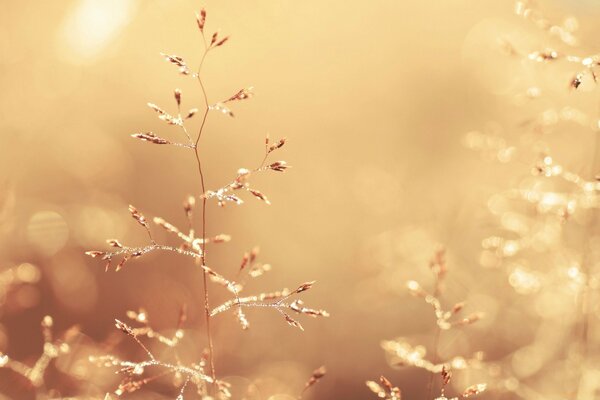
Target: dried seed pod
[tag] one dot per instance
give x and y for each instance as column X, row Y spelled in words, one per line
column 245, row 260
column 201, row 19
column 293, row 322
column 317, row 375
column 259, row 195
column 386, row 383
column 121, row 264
column 376, row 388
column 304, row 287
column 254, row 253
column 114, row 243
column 222, row 41
column 150, row 137
column 279, row 166
column 139, row 217
column 188, row 205
column 95, row 254
column 221, row 238
column 243, row 94
column 191, row 113
column 446, row 376
column 178, row 61
column 124, row 327
column 474, row 390
column 576, row 81
column 298, row 306
column 156, row 108
column 277, row 145
column 458, row 307
column 222, row 108
column 174, row 59
column 233, row 198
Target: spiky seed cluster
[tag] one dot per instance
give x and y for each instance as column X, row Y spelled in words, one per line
column 225, row 194
column 384, row 389
column 53, row 348
column 194, row 246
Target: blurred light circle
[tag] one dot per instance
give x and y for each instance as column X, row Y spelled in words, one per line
column 553, row 304
column 28, row 273
column 95, row 223
column 526, row 361
column 90, row 26
column 47, row 231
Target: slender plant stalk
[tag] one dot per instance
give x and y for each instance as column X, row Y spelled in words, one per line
column 195, row 247
column 207, row 310
column 436, row 338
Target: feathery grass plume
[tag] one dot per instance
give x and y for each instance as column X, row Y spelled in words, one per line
column 545, row 238
column 241, row 182
column 384, row 389
column 278, row 301
column 468, row 392
column 402, row 353
column 52, row 349
column 137, row 374
column 193, row 241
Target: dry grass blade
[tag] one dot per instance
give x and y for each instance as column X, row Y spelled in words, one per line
column 384, row 389
column 316, row 376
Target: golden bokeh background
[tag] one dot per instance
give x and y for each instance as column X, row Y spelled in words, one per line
column 380, row 102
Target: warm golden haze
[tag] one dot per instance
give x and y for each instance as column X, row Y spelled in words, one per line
column 283, row 200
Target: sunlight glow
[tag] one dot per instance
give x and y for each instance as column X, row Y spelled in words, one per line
column 90, row 25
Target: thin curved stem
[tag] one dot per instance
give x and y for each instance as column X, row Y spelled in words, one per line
column 203, row 189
